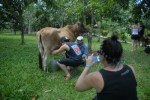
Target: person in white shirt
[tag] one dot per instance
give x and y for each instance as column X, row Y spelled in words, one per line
column 135, row 35
column 82, row 46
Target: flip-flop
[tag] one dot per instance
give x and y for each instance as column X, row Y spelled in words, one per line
column 67, row 77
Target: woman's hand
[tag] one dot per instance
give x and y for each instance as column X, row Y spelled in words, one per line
column 89, row 62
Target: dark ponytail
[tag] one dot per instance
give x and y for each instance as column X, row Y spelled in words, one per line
column 114, row 37
column 112, row 50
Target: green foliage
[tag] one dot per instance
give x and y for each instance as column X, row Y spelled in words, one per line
column 141, row 9
column 147, row 34
column 20, row 77
column 122, row 33
column 104, row 32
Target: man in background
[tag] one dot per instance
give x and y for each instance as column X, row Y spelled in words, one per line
column 141, row 33
column 82, row 46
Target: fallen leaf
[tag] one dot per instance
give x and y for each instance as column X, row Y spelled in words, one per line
column 47, row 91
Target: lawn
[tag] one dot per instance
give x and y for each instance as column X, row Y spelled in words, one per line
column 21, row 79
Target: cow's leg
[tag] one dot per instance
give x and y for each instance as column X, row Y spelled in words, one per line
column 45, row 56
column 40, row 61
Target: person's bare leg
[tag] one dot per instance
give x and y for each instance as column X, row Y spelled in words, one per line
column 133, row 45
column 136, row 44
column 64, row 68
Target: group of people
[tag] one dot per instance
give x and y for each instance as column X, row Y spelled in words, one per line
column 137, row 35
column 115, row 81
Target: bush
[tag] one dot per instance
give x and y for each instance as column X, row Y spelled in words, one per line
column 104, row 32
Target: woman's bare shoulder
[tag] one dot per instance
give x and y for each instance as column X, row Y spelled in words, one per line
column 97, row 80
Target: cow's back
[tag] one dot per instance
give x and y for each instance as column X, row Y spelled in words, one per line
column 50, row 38
column 66, row 31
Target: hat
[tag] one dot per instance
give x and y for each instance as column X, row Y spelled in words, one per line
column 64, row 39
column 79, row 38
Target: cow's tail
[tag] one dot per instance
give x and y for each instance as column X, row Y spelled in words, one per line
column 40, row 45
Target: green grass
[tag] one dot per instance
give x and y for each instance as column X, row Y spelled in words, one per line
column 20, row 77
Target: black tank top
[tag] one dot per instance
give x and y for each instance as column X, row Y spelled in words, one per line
column 120, row 85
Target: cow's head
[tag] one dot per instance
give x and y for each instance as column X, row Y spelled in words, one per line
column 81, row 28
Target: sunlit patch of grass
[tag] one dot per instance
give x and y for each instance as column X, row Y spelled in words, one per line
column 20, row 77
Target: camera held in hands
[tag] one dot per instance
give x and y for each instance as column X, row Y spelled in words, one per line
column 95, row 59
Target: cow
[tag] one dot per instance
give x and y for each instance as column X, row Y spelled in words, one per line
column 49, row 39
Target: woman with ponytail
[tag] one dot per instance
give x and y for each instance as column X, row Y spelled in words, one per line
column 115, row 81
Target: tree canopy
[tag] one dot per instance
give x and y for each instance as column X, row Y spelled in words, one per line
column 32, row 15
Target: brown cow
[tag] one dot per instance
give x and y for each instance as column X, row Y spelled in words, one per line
column 49, row 40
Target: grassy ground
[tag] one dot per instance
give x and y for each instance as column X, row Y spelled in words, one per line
column 20, row 77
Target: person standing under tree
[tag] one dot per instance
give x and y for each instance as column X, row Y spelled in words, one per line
column 135, row 35
column 141, row 33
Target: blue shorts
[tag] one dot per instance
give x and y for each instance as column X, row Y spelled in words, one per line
column 70, row 62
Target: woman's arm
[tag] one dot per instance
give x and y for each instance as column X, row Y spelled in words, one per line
column 87, row 81
column 83, row 83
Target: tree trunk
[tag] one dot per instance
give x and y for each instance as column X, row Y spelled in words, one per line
column 22, row 29
column 90, row 34
column 22, row 36
column 84, row 14
column 89, row 37
column 14, row 29
column 29, row 26
column 100, row 26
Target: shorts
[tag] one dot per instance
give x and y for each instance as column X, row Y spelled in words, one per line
column 70, row 62
column 135, row 37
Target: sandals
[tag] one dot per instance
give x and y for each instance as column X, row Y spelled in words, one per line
column 67, row 77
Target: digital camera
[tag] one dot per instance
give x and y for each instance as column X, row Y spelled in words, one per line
column 95, row 59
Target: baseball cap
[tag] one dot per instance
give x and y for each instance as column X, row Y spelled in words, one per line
column 79, row 38
column 64, row 39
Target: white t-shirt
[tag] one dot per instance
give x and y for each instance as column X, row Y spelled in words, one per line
column 134, row 31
